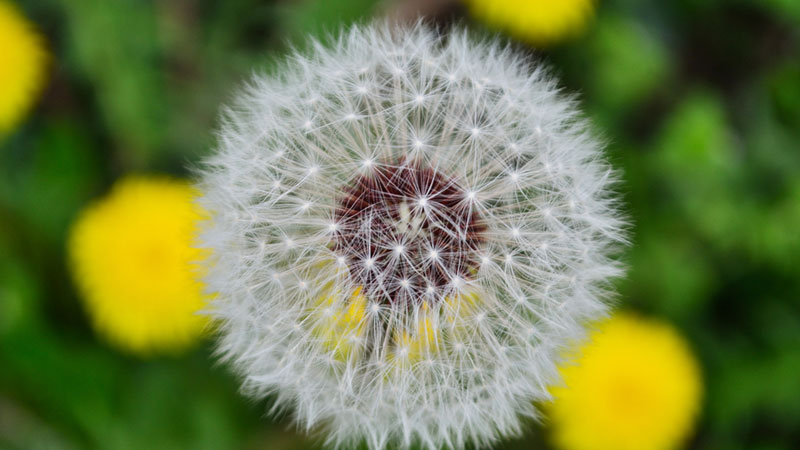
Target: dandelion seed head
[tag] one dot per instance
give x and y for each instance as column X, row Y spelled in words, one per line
column 408, row 329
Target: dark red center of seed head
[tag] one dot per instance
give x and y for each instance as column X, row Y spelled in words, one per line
column 407, row 232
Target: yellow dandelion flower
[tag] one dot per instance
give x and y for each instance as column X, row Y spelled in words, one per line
column 635, row 386
column 22, row 65
column 133, row 262
column 539, row 22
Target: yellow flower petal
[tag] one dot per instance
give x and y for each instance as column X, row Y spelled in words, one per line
column 341, row 324
column 419, row 345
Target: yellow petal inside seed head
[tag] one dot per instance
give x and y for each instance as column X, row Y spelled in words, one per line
column 341, row 323
column 418, row 344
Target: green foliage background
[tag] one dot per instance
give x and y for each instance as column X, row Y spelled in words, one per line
column 698, row 99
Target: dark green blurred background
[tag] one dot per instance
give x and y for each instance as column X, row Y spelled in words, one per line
column 698, row 99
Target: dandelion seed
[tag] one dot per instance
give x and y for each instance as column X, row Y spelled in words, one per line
column 450, row 360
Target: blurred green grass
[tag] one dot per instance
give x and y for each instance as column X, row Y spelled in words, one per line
column 700, row 103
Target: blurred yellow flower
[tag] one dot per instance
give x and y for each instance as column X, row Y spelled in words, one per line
column 539, row 22
column 635, row 386
column 22, row 65
column 133, row 262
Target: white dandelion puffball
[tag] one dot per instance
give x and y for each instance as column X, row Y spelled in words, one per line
column 407, row 229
